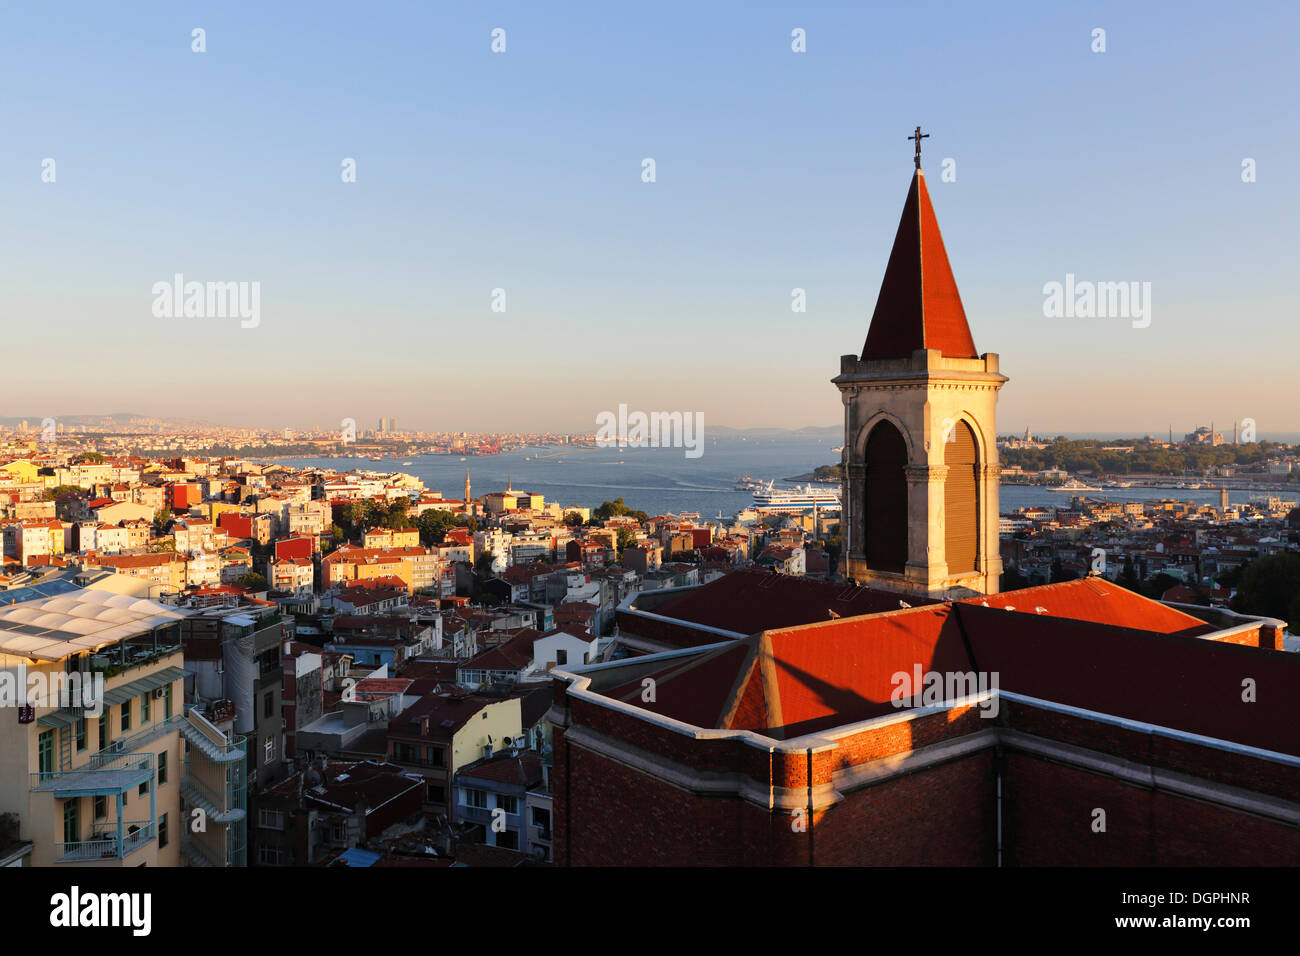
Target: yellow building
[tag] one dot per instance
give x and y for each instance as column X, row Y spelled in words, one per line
column 392, row 538
column 93, row 766
column 417, row 567
column 20, row 470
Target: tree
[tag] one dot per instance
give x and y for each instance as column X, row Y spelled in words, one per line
column 53, row 494
column 626, row 538
column 1128, row 577
column 616, row 509
column 1158, row 585
column 1059, row 573
column 433, row 525
column 253, row 581
column 483, row 564
column 572, row 518
column 1270, row 587
column 1012, row 579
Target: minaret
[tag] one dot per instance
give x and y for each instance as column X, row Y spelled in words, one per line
column 469, row 508
column 920, row 495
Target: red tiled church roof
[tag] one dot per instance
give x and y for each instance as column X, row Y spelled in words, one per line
column 919, row 306
column 748, row 601
column 1096, row 646
column 1099, row 601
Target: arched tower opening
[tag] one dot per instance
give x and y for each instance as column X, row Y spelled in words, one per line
column 884, row 527
column 961, row 501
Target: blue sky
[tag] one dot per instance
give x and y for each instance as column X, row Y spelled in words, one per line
column 522, row 171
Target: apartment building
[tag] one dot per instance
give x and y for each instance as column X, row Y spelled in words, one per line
column 445, row 731
column 94, row 768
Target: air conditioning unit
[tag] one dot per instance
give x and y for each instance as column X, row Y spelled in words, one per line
column 158, row 693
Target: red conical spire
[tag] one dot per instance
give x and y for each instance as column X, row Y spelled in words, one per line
column 918, row 307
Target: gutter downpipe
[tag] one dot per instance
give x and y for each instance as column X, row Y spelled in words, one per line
column 997, row 763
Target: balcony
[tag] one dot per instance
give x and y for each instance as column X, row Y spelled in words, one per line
column 108, row 847
column 129, row 745
column 112, row 773
column 470, row 814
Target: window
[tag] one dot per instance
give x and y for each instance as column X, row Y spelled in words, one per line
column 542, row 818
column 162, row 831
column 144, row 708
column 270, row 819
column 508, row 804
column 81, row 734
column 268, row 856
column 45, row 752
column 437, row 757
column 476, row 798
column 101, row 807
column 144, row 788
column 436, row 794
column 126, row 716
column 167, row 700
column 103, row 732
column 162, row 768
column 561, row 657
column 71, row 823
column 268, row 705
column 270, row 749
column 508, row 839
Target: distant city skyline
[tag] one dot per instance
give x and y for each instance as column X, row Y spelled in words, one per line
column 369, row 426
column 776, row 171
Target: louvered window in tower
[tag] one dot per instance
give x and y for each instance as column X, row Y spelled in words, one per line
column 961, row 501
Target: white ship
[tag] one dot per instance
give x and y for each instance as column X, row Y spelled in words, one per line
column 1074, row 484
column 805, row 497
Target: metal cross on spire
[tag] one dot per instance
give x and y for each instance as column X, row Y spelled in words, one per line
column 918, row 136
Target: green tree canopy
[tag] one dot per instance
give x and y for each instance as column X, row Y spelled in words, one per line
column 1271, row 587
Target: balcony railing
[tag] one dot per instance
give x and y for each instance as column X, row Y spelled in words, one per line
column 113, row 773
column 108, row 846
column 473, row 814
column 127, row 745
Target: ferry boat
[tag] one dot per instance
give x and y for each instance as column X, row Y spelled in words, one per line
column 747, row 484
column 1074, row 484
column 769, row 496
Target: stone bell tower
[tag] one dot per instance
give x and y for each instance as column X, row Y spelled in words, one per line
column 920, row 494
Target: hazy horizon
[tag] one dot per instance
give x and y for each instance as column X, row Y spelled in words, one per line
column 1276, row 435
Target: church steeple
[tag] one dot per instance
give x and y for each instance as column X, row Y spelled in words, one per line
column 919, row 306
column 919, row 511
